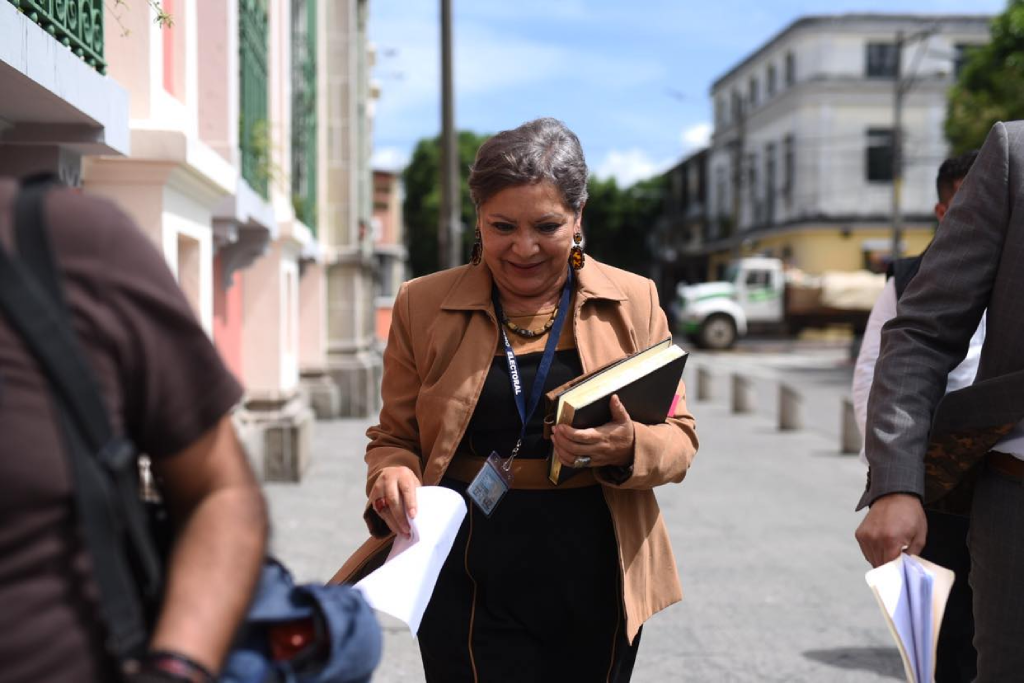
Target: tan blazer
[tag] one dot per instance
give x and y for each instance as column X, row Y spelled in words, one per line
column 442, row 340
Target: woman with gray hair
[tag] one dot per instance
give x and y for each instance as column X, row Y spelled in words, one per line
column 544, row 582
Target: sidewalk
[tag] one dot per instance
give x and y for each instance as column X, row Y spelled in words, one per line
column 762, row 530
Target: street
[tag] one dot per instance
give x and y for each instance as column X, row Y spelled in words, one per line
column 762, row 529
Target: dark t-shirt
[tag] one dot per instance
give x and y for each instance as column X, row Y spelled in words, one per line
column 164, row 385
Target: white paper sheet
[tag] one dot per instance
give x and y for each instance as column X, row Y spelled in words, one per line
column 912, row 593
column 919, row 589
column 402, row 586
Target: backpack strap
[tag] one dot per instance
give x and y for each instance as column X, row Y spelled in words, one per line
column 33, row 304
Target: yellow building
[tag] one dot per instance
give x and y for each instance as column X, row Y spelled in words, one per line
column 820, row 249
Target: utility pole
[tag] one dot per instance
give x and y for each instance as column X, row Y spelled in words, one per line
column 739, row 170
column 449, row 229
column 897, row 150
column 901, row 86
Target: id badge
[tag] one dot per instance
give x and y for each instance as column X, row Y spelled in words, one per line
column 490, row 484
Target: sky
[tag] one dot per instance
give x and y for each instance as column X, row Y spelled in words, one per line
column 630, row 77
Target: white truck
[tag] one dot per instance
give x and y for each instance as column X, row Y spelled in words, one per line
column 760, row 293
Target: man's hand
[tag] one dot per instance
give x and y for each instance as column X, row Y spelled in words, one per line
column 894, row 522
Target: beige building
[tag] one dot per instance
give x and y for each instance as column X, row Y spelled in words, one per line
column 353, row 361
column 388, row 246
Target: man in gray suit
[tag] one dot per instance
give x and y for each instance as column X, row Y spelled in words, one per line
column 976, row 262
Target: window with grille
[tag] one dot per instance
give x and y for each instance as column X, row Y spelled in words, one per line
column 788, row 166
column 879, row 155
column 882, row 60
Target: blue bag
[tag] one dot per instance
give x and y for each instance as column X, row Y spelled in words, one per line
column 346, row 648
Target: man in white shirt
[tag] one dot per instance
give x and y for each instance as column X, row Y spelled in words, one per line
column 947, row 534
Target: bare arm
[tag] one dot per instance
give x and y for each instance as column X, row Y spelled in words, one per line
column 220, row 514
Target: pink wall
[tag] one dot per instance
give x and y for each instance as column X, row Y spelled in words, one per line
column 384, row 187
column 383, row 322
column 227, row 318
column 170, row 58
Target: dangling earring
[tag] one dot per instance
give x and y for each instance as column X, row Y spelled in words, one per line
column 478, row 249
column 576, row 256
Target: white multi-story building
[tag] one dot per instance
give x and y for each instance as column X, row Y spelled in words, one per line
column 800, row 164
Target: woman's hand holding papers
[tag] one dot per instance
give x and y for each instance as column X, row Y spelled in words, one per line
column 393, row 498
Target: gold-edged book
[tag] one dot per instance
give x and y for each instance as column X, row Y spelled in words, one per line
column 646, row 382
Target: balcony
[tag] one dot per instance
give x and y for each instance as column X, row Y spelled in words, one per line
column 304, row 120
column 76, row 24
column 254, row 129
column 54, row 106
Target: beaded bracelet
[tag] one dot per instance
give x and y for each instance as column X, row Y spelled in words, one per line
column 177, row 665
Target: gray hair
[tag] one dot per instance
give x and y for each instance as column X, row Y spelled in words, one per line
column 544, row 149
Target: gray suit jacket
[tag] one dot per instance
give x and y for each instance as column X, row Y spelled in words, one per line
column 975, row 262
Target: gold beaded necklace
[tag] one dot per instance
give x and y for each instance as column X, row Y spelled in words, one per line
column 529, row 334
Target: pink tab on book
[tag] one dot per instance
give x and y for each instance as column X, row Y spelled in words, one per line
column 672, row 408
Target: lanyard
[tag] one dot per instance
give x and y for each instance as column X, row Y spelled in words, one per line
column 526, row 410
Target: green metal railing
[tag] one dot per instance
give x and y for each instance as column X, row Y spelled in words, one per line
column 304, row 119
column 76, row 24
column 254, row 131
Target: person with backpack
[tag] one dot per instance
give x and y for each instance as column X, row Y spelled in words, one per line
column 167, row 392
column 947, row 533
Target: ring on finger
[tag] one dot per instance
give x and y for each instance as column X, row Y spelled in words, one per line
column 581, row 462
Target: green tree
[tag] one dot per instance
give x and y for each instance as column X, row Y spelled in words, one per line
column 618, row 221
column 422, row 178
column 990, row 87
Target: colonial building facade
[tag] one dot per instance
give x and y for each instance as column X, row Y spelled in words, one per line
column 238, row 139
column 388, row 246
column 800, row 162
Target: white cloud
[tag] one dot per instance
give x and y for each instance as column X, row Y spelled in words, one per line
column 696, row 137
column 389, row 159
column 629, row 166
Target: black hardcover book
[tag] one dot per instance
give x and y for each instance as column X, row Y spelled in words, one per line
column 645, row 382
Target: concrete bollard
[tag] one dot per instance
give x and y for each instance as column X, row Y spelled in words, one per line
column 850, row 440
column 742, row 394
column 790, row 409
column 703, row 383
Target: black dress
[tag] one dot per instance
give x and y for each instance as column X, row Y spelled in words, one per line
column 530, row 594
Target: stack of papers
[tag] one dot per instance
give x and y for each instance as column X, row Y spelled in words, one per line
column 402, row 586
column 912, row 593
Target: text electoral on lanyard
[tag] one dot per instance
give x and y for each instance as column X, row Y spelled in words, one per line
column 494, row 479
